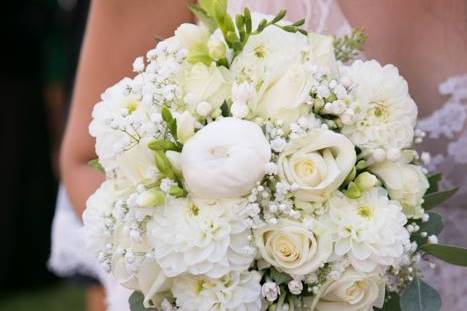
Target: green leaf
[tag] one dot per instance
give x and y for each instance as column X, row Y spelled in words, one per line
column 280, row 277
column 203, row 16
column 434, row 225
column 163, row 144
column 164, row 166
column 392, row 302
column 207, row 6
column 247, row 17
column 419, row 296
column 434, row 180
column 94, row 163
column 225, row 110
column 136, row 301
column 434, row 199
column 166, row 115
column 452, row 254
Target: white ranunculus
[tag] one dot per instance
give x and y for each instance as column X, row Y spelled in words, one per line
column 206, row 83
column 225, row 159
column 385, row 114
column 208, row 237
column 354, row 291
column 237, row 291
column 192, row 36
column 405, row 183
column 317, row 164
column 137, row 164
column 292, row 248
column 369, row 230
column 185, row 126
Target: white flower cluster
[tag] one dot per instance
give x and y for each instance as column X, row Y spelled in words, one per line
column 273, row 175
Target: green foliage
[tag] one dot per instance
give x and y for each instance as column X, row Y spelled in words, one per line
column 94, row 163
column 348, row 46
column 203, row 16
column 136, row 301
column 434, row 199
column 434, row 225
column 164, row 166
column 279, row 277
column 171, row 124
column 391, row 303
column 164, row 144
column 353, row 192
column 434, row 180
column 451, row 254
column 225, row 110
column 419, row 296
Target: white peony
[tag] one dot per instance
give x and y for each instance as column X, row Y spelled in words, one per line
column 201, row 237
column 292, row 248
column 354, row 291
column 206, row 83
column 405, row 183
column 317, row 164
column 369, row 231
column 225, row 159
column 235, row 291
column 385, row 114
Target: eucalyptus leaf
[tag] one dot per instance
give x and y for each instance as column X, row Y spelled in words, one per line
column 419, row 296
column 452, row 254
column 434, row 199
column 136, row 301
column 433, row 181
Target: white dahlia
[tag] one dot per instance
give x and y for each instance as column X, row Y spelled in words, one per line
column 385, row 114
column 234, row 291
column 118, row 128
column 202, row 237
column 370, row 230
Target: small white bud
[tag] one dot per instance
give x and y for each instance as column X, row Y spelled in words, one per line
column 433, row 239
column 203, row 108
column 239, row 110
column 295, row 287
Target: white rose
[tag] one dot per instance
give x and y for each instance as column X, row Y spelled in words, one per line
column 292, row 248
column 270, row 291
column 317, row 164
column 185, row 126
column 405, row 183
column 225, row 159
column 192, row 36
column 137, row 164
column 286, row 94
column 352, row 292
column 207, row 83
column 295, row 287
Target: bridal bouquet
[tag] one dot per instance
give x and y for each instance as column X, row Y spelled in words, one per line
column 251, row 165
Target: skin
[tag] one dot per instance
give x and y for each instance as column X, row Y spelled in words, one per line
column 118, row 31
column 425, row 39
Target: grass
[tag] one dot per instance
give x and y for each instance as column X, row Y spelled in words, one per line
column 63, row 296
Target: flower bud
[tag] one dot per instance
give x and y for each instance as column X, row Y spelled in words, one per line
column 150, row 198
column 366, row 181
column 270, row 291
column 216, row 47
column 295, row 287
column 185, row 126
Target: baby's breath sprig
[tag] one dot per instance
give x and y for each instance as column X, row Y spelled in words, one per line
column 348, row 46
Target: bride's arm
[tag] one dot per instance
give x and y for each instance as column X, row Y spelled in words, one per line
column 117, row 32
